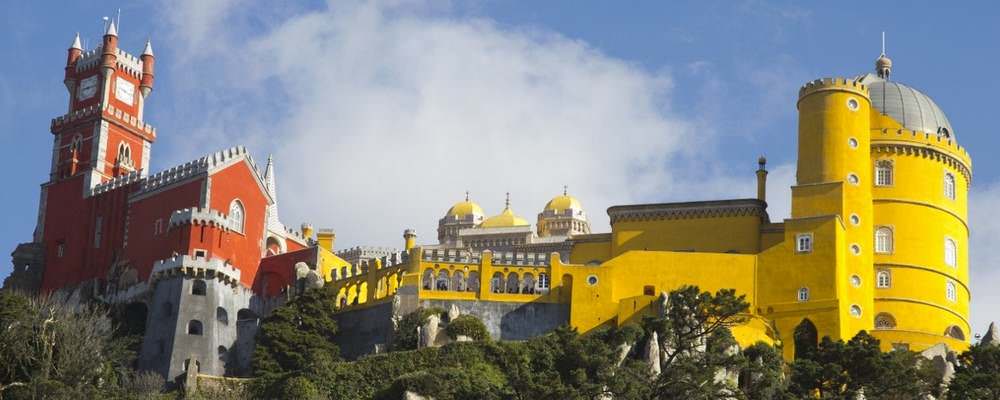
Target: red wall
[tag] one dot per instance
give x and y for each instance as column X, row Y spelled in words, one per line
column 244, row 250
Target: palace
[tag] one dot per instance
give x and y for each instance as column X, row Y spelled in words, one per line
column 877, row 239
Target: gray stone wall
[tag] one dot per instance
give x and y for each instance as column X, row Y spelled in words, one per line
column 225, row 344
column 360, row 331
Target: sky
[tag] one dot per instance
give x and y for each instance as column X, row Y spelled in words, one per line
column 380, row 115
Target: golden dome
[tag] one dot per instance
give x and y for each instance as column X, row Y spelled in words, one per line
column 506, row 218
column 463, row 208
column 562, row 203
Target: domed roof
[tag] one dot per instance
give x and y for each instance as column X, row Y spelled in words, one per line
column 463, row 208
column 908, row 106
column 562, row 203
column 506, row 218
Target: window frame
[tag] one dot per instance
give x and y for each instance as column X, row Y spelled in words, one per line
column 950, row 252
column 802, row 291
column 878, row 279
column 951, row 291
column 891, row 172
column 950, row 185
column 799, row 248
column 239, row 227
column 889, row 246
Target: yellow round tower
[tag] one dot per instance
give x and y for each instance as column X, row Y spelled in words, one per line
column 921, row 231
column 833, row 179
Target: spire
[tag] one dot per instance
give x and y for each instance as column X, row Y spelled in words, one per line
column 269, row 178
column 148, row 51
column 565, row 190
column 112, row 30
column 507, row 206
column 76, row 42
column 466, row 195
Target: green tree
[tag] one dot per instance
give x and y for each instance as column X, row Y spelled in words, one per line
column 297, row 336
column 977, row 375
column 838, row 370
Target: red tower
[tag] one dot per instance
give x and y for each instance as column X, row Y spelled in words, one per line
column 102, row 136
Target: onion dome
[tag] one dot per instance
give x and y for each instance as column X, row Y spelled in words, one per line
column 464, row 208
column 562, row 203
column 505, row 219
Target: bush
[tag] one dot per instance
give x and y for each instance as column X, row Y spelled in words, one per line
column 299, row 388
column 467, row 325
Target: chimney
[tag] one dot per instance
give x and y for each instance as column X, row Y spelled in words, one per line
column 307, row 231
column 762, row 179
column 326, row 238
column 410, row 239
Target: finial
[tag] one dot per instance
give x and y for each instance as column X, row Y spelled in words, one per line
column 76, row 42
column 466, row 195
column 148, row 51
column 883, row 65
column 762, row 161
column 565, row 190
column 507, row 206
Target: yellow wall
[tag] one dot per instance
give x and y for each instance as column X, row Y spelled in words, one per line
column 709, row 235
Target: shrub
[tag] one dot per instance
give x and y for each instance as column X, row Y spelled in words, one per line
column 467, row 325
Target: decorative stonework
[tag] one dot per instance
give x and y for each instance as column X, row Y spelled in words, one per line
column 692, row 210
column 195, row 267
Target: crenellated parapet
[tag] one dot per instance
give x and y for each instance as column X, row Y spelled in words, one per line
column 834, row 84
column 195, row 267
column 91, row 59
column 116, row 183
column 200, row 216
column 689, row 210
column 509, row 258
column 924, row 144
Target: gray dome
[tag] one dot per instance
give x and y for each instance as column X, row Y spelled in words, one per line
column 908, row 106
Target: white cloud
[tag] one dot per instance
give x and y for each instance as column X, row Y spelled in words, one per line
column 381, row 116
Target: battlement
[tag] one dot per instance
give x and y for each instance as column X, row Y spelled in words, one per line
column 74, row 116
column 191, row 168
column 506, row 258
column 118, row 182
column 131, row 120
column 94, row 110
column 837, row 84
column 126, row 62
column 195, row 267
column 925, row 140
column 200, row 216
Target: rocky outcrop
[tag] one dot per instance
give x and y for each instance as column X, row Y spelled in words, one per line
column 992, row 337
column 653, row 354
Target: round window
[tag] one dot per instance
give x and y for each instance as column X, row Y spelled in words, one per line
column 855, row 281
column 855, row 249
column 853, row 104
column 855, row 219
column 853, row 179
column 592, row 280
column 853, row 143
column 855, row 311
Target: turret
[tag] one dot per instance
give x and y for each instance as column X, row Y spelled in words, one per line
column 410, row 239
column 325, row 238
column 146, row 84
column 109, row 52
column 73, row 55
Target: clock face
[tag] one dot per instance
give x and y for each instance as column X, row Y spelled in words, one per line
column 124, row 90
column 88, row 87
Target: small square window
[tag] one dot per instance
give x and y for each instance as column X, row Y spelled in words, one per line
column 199, row 253
column 804, row 243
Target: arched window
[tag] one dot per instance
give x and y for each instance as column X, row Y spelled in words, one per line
column 513, row 285
column 458, row 281
column 883, row 279
column 883, row 173
column 236, row 215
column 74, row 146
column 496, row 283
column 343, row 272
column 955, row 332
column 198, row 287
column 428, row 279
column 528, row 286
column 473, row 284
column 806, row 338
column 950, row 291
column 124, row 157
column 950, row 252
column 194, row 327
column 343, row 302
column 245, row 314
column 222, row 316
column 803, row 294
column 949, row 186
column 222, row 352
column 884, row 321
column 883, row 240
column 443, row 280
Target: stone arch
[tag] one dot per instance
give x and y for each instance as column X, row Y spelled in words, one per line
column 343, row 272
column 443, row 280
column 528, row 283
column 472, row 284
column 955, row 332
column 513, row 284
column 274, row 246
column 245, row 314
column 195, row 328
column 806, row 338
column 496, row 283
column 885, row 321
column 362, row 293
column 222, row 315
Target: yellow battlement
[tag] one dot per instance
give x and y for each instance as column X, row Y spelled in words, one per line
column 838, row 83
column 946, row 145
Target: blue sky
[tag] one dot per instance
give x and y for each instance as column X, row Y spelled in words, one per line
column 382, row 115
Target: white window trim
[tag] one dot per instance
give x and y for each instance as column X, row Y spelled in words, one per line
column 952, row 193
column 953, row 260
column 194, row 253
column 951, row 291
column 798, row 243
column 243, row 216
column 892, row 173
column 890, row 246
column 800, row 292
column 878, row 281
